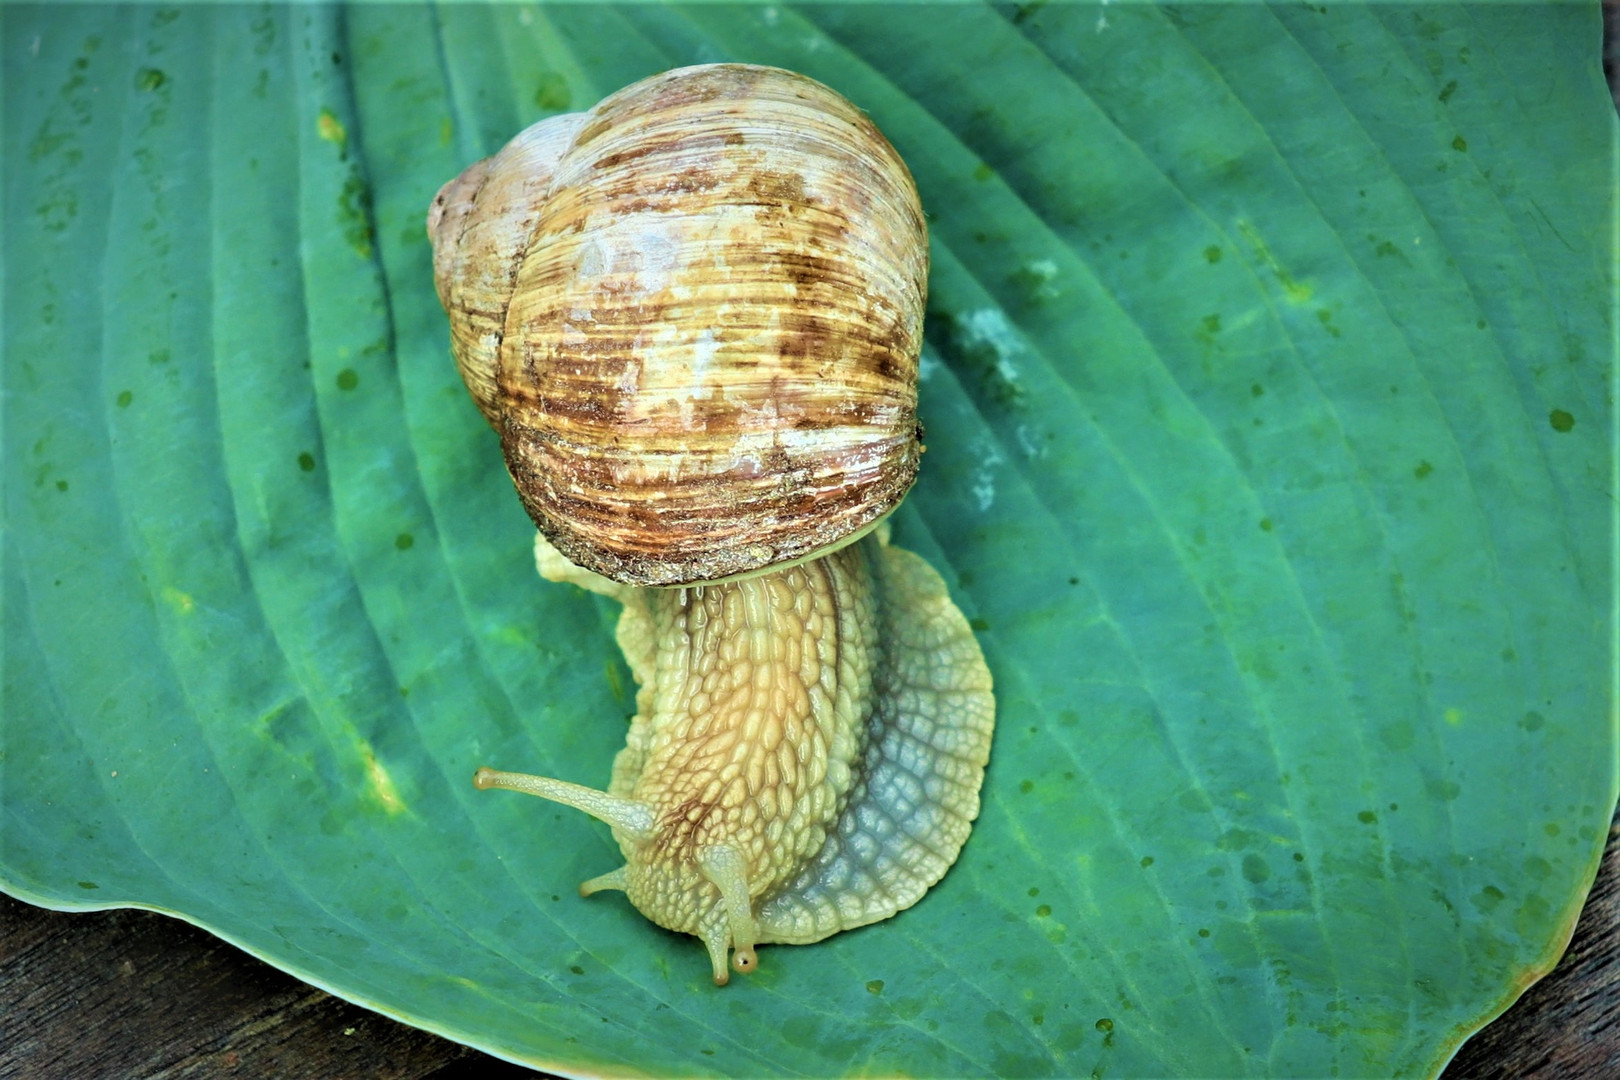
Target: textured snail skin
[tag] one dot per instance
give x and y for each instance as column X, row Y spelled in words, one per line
column 693, row 315
column 807, row 751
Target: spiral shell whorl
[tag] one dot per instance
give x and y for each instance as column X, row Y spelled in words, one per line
column 481, row 224
column 708, row 361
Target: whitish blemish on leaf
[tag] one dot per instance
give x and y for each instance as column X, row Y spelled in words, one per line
column 927, row 365
column 989, row 328
column 1035, row 278
column 990, row 344
column 1029, row 441
column 984, row 477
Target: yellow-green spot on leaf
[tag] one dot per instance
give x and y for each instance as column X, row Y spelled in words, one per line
column 1423, row 469
column 125, row 397
column 382, row 785
column 1447, row 90
column 178, row 600
column 1265, row 524
column 1297, row 292
column 306, row 461
column 552, row 93
column 1105, row 1024
column 983, row 171
column 513, row 635
column 1560, row 420
column 347, row 379
column 1325, row 317
column 447, row 131
column 330, row 128
column 874, row 986
column 615, row 684
column 149, row 79
column 979, row 624
column 1212, row 254
column 1367, row 817
column 1043, row 911
column 1454, row 717
column 404, row 541
column 1460, row 145
column 1147, row 861
column 1212, row 323
column 61, row 485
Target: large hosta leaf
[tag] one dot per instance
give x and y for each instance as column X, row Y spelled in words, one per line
column 1269, row 411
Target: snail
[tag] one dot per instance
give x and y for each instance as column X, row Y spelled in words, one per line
column 693, row 316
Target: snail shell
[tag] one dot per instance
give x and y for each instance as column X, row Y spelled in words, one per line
column 693, row 315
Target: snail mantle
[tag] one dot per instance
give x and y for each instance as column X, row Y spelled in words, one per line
column 693, row 315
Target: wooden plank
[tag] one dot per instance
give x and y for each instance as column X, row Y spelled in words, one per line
column 121, row 994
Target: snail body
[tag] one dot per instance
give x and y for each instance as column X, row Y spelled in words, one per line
column 693, row 316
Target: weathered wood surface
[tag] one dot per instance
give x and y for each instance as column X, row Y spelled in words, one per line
column 130, row 994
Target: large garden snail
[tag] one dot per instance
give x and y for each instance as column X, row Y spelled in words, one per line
column 693, row 315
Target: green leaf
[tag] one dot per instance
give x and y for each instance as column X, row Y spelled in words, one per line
column 1269, row 393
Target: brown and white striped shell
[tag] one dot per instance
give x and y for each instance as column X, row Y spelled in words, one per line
column 693, row 315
